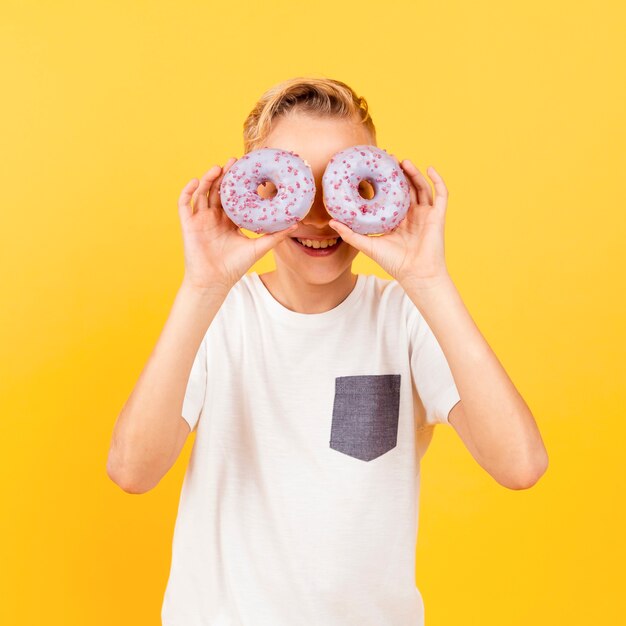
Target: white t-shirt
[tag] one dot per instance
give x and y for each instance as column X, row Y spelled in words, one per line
column 299, row 506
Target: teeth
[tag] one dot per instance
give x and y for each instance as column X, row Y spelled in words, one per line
column 317, row 244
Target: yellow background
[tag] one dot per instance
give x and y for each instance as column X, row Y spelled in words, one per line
column 109, row 108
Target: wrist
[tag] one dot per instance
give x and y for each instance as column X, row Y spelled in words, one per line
column 431, row 284
column 203, row 292
column 429, row 295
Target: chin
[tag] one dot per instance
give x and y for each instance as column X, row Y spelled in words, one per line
column 315, row 271
column 319, row 276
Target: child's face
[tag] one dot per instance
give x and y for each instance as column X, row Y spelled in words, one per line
column 315, row 139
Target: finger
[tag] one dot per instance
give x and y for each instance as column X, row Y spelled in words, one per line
column 196, row 192
column 264, row 243
column 214, row 194
column 422, row 188
column 199, row 198
column 413, row 194
column 360, row 242
column 424, row 192
column 441, row 191
column 184, row 200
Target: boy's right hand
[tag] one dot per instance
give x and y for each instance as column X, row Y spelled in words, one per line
column 217, row 253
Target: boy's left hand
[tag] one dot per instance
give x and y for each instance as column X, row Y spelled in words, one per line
column 414, row 251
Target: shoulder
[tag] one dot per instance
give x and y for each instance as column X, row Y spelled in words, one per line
column 243, row 290
column 386, row 287
column 393, row 301
column 390, row 296
column 237, row 300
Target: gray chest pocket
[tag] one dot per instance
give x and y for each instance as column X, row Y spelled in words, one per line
column 365, row 415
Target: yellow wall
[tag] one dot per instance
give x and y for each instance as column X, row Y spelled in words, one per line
column 109, row 108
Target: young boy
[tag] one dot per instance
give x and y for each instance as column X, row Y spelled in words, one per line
column 313, row 393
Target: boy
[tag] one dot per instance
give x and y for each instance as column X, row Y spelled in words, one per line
column 313, row 393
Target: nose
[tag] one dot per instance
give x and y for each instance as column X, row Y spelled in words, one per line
column 318, row 216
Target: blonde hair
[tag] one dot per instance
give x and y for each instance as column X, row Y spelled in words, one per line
column 316, row 96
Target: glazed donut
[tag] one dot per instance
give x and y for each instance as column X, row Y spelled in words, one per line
column 294, row 183
column 343, row 201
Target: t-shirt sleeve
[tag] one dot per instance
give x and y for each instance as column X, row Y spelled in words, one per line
column 193, row 401
column 430, row 370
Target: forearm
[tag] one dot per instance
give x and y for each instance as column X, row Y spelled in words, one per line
column 148, row 427
column 500, row 426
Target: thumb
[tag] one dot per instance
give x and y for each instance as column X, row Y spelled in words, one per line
column 360, row 242
column 267, row 241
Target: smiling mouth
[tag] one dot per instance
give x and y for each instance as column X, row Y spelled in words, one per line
column 328, row 251
column 337, row 242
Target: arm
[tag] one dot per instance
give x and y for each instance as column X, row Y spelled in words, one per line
column 492, row 418
column 150, row 432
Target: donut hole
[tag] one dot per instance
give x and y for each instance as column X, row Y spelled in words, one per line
column 366, row 189
column 267, row 189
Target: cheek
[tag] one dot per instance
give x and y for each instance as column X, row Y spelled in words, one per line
column 351, row 249
column 283, row 249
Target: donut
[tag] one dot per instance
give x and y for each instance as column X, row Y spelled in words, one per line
column 295, row 190
column 340, row 184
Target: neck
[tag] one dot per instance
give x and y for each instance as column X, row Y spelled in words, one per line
column 297, row 294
